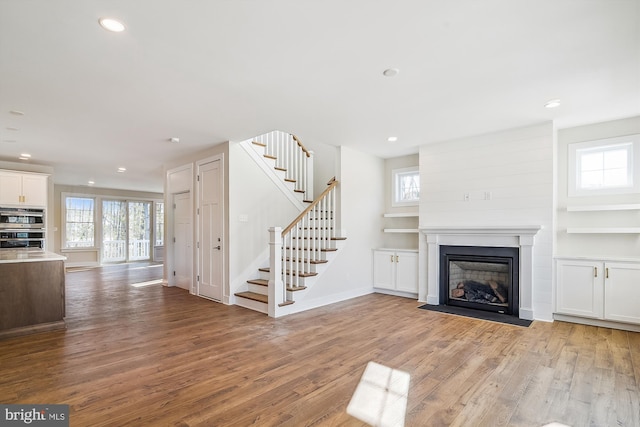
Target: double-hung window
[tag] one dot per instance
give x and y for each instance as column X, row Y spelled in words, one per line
column 79, row 224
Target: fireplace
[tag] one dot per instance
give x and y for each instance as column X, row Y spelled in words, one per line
column 480, row 278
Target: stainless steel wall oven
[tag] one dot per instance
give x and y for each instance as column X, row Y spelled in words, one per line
column 22, row 228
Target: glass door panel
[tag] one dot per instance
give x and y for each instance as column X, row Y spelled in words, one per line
column 139, row 231
column 114, row 231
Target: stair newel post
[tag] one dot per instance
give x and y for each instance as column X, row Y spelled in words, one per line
column 277, row 289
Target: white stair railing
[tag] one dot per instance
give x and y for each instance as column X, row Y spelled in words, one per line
column 299, row 246
column 292, row 157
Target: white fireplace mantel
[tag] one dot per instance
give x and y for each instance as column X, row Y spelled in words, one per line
column 520, row 236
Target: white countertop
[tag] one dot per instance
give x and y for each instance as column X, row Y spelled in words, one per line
column 24, row 255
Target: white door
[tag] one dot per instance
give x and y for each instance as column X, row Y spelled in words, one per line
column 407, row 271
column 182, row 247
column 384, row 269
column 622, row 292
column 579, row 288
column 211, row 251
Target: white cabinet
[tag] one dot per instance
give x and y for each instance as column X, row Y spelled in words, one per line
column 598, row 289
column 22, row 188
column 396, row 269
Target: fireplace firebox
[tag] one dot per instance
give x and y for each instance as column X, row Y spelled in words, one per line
column 480, row 278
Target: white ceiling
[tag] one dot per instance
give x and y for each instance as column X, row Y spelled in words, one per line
column 209, row 71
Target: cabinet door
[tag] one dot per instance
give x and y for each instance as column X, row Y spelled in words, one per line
column 384, row 269
column 407, row 272
column 622, row 292
column 10, row 188
column 580, row 288
column 34, row 190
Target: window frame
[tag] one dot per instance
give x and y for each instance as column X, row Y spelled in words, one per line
column 63, row 238
column 633, row 163
column 396, row 174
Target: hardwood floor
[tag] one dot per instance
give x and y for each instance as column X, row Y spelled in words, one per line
column 158, row 356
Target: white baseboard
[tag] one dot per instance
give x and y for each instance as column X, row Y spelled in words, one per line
column 597, row 322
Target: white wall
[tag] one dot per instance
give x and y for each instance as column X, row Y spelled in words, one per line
column 255, row 204
column 515, row 169
column 595, row 245
column 360, row 194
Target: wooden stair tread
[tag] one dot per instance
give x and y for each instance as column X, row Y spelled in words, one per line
column 278, row 168
column 282, row 304
column 259, row 282
column 264, row 282
column 261, row 144
column 253, row 296
column 313, row 261
column 296, row 288
column 290, row 180
column 269, row 156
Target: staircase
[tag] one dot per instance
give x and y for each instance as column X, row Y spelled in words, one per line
column 300, row 252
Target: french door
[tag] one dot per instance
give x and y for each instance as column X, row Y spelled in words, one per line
column 126, row 230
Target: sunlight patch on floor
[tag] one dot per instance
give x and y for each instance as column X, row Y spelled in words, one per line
column 147, row 283
column 380, row 398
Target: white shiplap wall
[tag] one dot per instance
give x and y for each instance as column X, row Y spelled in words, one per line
column 509, row 178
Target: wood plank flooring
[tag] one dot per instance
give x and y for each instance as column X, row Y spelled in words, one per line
column 157, row 356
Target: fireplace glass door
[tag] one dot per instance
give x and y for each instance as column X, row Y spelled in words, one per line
column 479, row 282
column 482, row 278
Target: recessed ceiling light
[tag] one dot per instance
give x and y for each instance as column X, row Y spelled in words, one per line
column 111, row 24
column 392, row 139
column 16, row 113
column 120, row 170
column 174, row 140
column 552, row 104
column 25, row 156
column 390, row 72
column 91, row 182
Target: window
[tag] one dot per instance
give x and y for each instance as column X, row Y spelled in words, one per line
column 159, row 224
column 406, row 186
column 79, row 222
column 604, row 166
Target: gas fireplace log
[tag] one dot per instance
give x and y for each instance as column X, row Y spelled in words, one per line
column 457, row 293
column 499, row 290
column 479, row 292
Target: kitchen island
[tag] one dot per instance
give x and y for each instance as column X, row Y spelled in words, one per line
column 32, row 292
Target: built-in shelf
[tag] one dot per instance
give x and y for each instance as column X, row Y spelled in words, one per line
column 413, row 215
column 593, row 208
column 401, row 215
column 604, row 230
